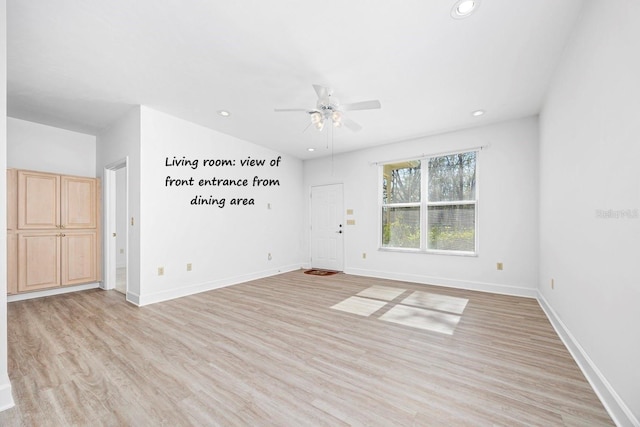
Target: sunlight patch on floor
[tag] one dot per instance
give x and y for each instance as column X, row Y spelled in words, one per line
column 384, row 293
column 436, row 302
column 360, row 306
column 429, row 320
column 421, row 310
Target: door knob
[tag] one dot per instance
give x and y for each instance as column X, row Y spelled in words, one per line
column 114, row 234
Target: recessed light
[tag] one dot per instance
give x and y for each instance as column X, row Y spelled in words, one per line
column 311, row 149
column 477, row 113
column 224, row 113
column 464, row 8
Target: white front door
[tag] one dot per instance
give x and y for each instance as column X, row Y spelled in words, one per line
column 327, row 227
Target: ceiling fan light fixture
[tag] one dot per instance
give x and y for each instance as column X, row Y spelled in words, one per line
column 336, row 118
column 316, row 117
column 464, row 8
column 328, row 108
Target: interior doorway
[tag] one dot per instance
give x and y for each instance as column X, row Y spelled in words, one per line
column 116, row 230
column 327, row 227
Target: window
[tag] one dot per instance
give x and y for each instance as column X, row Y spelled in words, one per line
column 430, row 204
column 401, row 204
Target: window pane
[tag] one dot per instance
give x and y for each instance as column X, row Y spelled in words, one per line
column 401, row 182
column 453, row 177
column 452, row 228
column 401, row 227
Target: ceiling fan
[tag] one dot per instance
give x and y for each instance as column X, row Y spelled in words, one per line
column 329, row 109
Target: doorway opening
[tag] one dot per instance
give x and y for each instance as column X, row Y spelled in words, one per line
column 116, row 182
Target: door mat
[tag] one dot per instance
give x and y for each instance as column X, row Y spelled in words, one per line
column 318, row 272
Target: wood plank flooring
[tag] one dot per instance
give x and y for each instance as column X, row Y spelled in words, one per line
column 273, row 353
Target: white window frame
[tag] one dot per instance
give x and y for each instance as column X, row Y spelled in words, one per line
column 425, row 204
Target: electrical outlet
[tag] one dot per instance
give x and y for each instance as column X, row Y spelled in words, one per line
column 189, row 267
column 160, row 271
column 364, row 255
column 553, row 284
column 269, row 256
column 499, row 266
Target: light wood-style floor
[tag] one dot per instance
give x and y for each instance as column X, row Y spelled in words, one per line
column 273, row 352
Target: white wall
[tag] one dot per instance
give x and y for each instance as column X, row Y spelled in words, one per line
column 590, row 146
column 6, row 399
column 122, row 141
column 508, row 210
column 224, row 245
column 45, row 148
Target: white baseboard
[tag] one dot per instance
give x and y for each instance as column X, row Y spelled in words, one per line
column 133, row 298
column 6, row 397
column 618, row 410
column 50, row 292
column 209, row 286
column 494, row 288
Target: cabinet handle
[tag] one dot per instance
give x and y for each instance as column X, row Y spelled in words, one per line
column 62, row 234
column 61, row 226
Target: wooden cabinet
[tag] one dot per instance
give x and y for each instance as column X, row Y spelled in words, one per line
column 53, row 233
column 78, row 251
column 38, row 201
column 12, row 262
column 38, row 261
column 79, row 202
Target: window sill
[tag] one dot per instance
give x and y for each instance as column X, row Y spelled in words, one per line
column 429, row 252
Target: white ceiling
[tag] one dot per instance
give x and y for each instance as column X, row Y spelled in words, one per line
column 79, row 65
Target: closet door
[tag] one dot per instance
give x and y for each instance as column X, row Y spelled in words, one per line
column 79, row 202
column 79, row 264
column 38, row 200
column 38, row 260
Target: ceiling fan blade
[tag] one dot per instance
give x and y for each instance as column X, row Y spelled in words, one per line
column 351, row 124
column 364, row 105
column 282, row 110
column 322, row 91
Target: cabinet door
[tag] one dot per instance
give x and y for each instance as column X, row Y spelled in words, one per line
column 79, row 262
column 12, row 199
column 38, row 200
column 79, row 202
column 12, row 263
column 38, row 261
